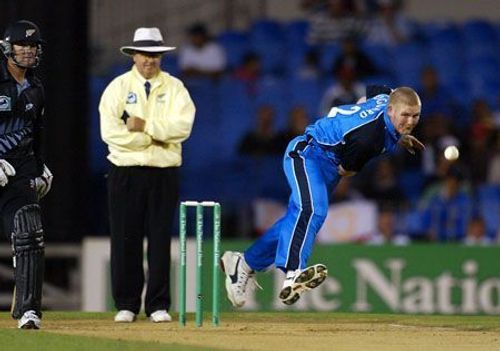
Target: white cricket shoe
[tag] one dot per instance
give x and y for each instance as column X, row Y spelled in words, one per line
column 125, row 316
column 239, row 276
column 160, row 316
column 296, row 282
column 29, row 320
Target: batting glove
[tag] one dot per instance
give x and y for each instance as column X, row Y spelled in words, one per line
column 43, row 183
column 6, row 171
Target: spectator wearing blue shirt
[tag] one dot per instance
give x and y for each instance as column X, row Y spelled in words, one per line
column 335, row 146
column 446, row 215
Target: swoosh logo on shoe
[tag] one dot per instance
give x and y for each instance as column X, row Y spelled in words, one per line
column 234, row 277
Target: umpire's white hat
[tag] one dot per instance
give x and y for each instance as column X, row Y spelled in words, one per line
column 147, row 40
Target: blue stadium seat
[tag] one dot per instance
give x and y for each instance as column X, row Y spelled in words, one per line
column 409, row 59
column 328, row 55
column 272, row 55
column 268, row 41
column 445, row 52
column 169, row 63
column 379, row 54
column 266, row 28
column 307, row 93
column 296, row 34
column 482, row 73
column 480, row 39
column 119, row 69
column 489, row 207
column 273, row 91
column 236, row 45
column 477, row 31
column 237, row 113
column 411, row 181
column 441, row 32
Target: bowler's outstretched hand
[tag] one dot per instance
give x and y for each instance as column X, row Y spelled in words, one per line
column 410, row 143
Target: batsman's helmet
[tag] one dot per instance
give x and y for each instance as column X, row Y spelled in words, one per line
column 22, row 32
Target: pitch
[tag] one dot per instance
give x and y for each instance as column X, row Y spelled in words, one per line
column 257, row 331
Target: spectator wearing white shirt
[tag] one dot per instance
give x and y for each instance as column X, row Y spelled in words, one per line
column 390, row 26
column 201, row 57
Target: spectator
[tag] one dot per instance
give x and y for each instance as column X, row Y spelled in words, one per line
column 352, row 57
column 386, row 231
column 476, row 233
column 389, row 27
column 309, row 69
column 437, row 102
column 312, row 6
column 481, row 141
column 249, row 72
column 297, row 123
column 344, row 92
column 434, row 164
column 338, row 20
column 201, row 57
column 344, row 191
column 447, row 213
column 262, row 140
column 494, row 166
column 383, row 186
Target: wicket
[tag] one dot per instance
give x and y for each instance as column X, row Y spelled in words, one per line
column 199, row 260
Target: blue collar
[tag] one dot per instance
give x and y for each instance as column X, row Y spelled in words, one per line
column 390, row 127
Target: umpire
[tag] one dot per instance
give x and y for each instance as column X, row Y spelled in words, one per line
column 24, row 178
column 145, row 116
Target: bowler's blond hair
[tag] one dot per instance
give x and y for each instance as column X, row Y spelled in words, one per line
column 404, row 95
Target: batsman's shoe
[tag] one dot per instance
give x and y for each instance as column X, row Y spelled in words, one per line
column 239, row 277
column 298, row 281
column 29, row 320
column 160, row 316
column 125, row 316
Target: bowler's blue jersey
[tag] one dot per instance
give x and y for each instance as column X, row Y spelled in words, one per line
column 356, row 133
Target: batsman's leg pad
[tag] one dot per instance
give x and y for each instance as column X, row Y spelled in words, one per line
column 28, row 250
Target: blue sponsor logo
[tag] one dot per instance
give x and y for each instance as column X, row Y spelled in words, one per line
column 5, row 104
column 131, row 98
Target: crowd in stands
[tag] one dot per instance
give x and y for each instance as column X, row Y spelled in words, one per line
column 257, row 89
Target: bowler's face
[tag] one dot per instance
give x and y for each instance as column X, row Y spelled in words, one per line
column 404, row 117
column 147, row 64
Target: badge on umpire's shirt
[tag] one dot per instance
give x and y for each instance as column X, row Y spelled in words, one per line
column 131, row 98
column 5, row 104
column 160, row 98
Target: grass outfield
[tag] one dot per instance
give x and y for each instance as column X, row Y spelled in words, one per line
column 257, row 331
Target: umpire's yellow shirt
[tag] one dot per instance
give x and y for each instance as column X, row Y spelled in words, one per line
column 168, row 112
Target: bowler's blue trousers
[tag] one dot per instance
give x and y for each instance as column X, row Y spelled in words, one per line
column 311, row 171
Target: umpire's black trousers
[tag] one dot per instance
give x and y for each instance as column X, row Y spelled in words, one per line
column 142, row 203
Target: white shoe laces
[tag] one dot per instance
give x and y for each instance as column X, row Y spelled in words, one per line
column 245, row 280
column 30, row 315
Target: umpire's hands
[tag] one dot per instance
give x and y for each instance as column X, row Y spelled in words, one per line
column 410, row 143
column 43, row 183
column 135, row 124
column 6, row 171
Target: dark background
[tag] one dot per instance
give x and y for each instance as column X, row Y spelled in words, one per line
column 63, row 70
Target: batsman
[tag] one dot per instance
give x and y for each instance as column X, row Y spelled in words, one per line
column 336, row 146
column 24, row 178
